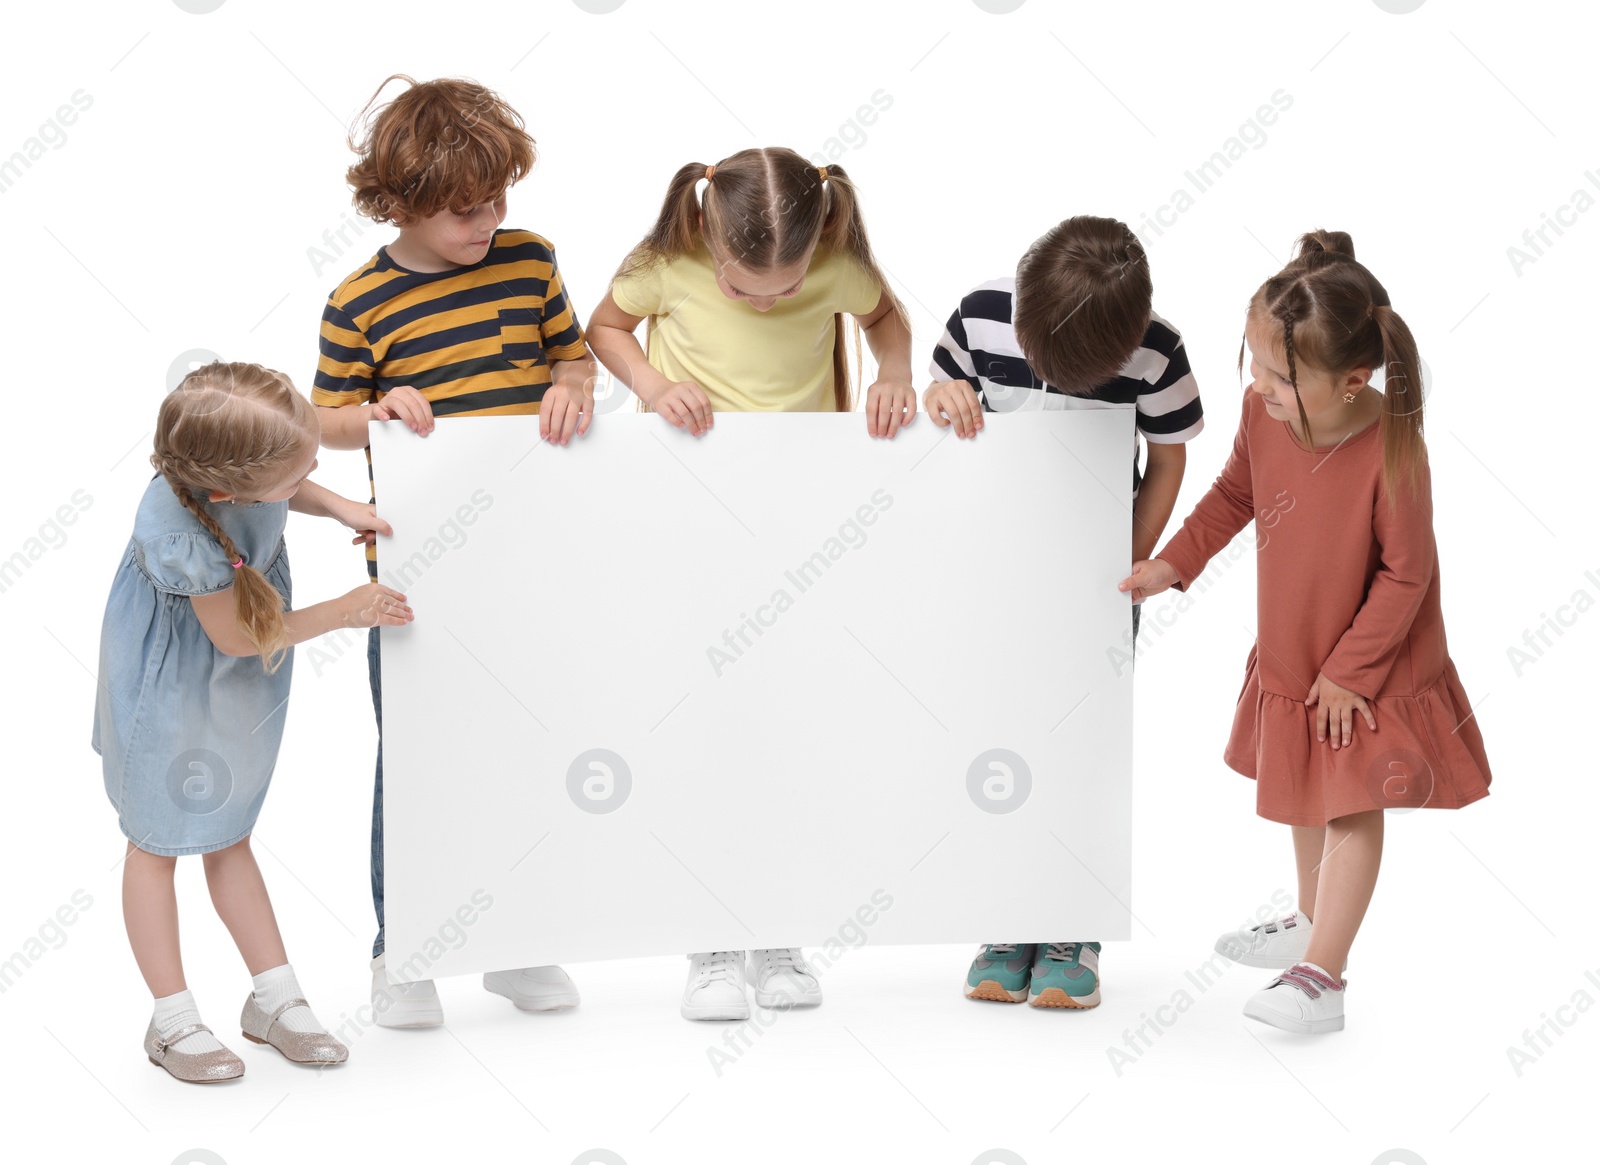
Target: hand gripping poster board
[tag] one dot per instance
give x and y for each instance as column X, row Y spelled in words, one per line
column 780, row 685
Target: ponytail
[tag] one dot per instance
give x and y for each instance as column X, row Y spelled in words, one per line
column 1400, row 425
column 844, row 230
column 677, row 226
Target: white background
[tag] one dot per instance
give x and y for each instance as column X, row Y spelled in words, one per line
column 177, row 214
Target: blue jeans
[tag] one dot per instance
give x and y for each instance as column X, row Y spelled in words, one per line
column 374, row 675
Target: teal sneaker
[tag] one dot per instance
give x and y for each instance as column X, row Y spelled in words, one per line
column 1066, row 975
column 1000, row 973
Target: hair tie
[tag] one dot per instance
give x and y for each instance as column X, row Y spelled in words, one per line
column 710, row 170
column 237, row 562
column 1372, row 311
column 823, row 170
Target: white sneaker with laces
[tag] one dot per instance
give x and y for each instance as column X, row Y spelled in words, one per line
column 780, row 978
column 533, row 988
column 1276, row 944
column 413, row 1004
column 1304, row 999
column 715, row 988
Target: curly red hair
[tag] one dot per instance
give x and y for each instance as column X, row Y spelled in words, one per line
column 449, row 144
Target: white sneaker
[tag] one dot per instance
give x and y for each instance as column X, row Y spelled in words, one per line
column 1303, row 999
column 533, row 988
column 715, row 989
column 1272, row 944
column 404, row 1004
column 781, row 978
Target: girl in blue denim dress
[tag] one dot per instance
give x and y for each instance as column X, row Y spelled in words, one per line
column 195, row 661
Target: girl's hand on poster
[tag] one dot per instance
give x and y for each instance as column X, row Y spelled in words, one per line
column 685, row 405
column 373, row 605
column 891, row 405
column 1150, row 577
column 362, row 517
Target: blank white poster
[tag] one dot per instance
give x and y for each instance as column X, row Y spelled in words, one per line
column 781, row 685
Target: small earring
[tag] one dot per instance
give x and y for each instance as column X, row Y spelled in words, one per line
column 1349, row 398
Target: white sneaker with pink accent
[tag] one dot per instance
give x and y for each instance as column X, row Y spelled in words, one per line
column 1280, row 943
column 1304, row 999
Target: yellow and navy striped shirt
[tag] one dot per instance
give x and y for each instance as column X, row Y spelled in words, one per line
column 476, row 341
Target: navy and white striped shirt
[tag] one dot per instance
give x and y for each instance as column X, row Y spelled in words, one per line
column 980, row 346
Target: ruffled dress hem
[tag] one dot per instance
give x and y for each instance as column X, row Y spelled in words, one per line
column 1427, row 753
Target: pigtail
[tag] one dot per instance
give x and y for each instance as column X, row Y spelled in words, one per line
column 677, row 226
column 1400, row 425
column 257, row 605
column 766, row 209
column 844, row 230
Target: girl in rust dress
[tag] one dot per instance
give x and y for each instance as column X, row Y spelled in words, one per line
column 1350, row 703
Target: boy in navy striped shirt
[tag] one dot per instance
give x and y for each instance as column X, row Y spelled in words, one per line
column 1073, row 329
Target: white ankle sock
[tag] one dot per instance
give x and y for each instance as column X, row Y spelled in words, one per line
column 177, row 1011
column 275, row 987
column 1321, row 970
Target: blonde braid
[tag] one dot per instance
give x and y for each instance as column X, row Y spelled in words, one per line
column 230, row 428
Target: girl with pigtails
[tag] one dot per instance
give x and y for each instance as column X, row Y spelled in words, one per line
column 745, row 280
column 195, row 661
column 1351, row 704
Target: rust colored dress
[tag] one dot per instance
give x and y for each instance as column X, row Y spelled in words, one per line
column 1348, row 587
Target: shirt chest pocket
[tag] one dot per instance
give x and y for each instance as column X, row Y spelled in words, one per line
column 520, row 341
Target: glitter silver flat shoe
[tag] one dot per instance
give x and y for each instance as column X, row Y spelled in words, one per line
column 191, row 1067
column 302, row 1047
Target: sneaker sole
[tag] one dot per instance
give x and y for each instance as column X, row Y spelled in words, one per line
column 779, row 1001
column 1055, row 997
column 1315, row 1027
column 434, row 1019
column 992, row 992
column 549, row 1003
column 404, row 1017
column 714, row 1013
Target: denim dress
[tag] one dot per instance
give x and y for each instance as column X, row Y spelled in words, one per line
column 187, row 736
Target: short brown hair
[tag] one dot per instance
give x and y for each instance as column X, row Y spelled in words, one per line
column 446, row 144
column 1082, row 302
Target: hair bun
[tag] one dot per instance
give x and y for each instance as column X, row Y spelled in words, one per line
column 1330, row 242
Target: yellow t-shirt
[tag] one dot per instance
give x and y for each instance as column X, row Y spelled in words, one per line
column 746, row 360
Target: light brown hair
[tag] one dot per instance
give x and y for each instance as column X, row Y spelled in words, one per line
column 1333, row 315
column 449, row 144
column 766, row 209
column 1082, row 303
column 236, row 429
